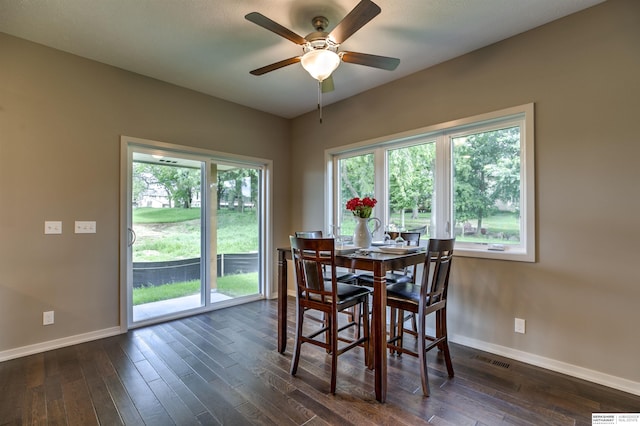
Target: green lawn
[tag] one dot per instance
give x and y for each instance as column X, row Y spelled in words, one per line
column 498, row 225
column 164, row 215
column 230, row 285
column 174, row 233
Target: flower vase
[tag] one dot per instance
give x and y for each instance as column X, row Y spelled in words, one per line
column 362, row 236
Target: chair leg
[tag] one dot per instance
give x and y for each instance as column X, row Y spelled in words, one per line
column 439, row 329
column 414, row 324
column 445, row 342
column 400, row 331
column 422, row 356
column 327, row 334
column 368, row 359
column 333, row 326
column 296, row 350
column 356, row 317
column 392, row 328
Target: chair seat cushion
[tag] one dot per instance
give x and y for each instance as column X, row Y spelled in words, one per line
column 405, row 291
column 391, row 277
column 346, row 277
column 347, row 292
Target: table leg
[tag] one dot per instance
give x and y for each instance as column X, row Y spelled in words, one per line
column 379, row 327
column 282, row 301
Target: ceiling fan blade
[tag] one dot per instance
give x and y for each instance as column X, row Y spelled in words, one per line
column 364, row 11
column 382, row 62
column 327, row 85
column 275, row 66
column 266, row 23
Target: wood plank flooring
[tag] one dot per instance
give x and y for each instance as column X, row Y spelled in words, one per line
column 223, row 368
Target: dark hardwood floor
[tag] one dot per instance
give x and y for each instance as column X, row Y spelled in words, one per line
column 223, row 368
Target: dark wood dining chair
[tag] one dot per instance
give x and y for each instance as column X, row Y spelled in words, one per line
column 343, row 277
column 430, row 297
column 406, row 275
column 402, row 276
column 311, row 256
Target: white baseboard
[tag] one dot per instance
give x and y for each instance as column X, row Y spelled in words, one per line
column 58, row 343
column 614, row 382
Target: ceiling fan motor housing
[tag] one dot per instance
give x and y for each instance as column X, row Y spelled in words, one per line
column 320, row 23
column 319, row 40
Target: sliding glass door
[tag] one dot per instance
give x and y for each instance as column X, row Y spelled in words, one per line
column 167, row 237
column 195, row 227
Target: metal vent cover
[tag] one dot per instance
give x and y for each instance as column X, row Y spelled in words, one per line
column 491, row 361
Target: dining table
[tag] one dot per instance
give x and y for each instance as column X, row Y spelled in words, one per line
column 374, row 261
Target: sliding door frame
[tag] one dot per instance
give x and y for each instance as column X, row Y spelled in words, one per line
column 266, row 286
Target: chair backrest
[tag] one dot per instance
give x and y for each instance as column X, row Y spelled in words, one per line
column 411, row 238
column 310, row 257
column 435, row 278
column 309, row 234
column 421, row 230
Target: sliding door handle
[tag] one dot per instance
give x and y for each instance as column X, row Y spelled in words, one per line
column 132, row 237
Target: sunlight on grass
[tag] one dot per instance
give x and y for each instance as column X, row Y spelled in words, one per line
column 230, row 285
column 170, row 234
column 164, row 215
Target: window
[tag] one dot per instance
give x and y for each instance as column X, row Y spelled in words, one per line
column 357, row 178
column 472, row 179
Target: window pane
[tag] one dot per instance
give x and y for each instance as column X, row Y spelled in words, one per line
column 356, row 177
column 487, row 186
column 411, row 188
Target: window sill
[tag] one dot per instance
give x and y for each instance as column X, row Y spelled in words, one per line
column 482, row 251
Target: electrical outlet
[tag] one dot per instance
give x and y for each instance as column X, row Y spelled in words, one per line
column 519, row 325
column 47, row 318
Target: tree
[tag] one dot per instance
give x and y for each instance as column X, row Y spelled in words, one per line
column 411, row 178
column 179, row 183
column 357, row 177
column 236, row 185
column 487, row 170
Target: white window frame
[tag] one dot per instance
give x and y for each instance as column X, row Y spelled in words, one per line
column 443, row 211
column 267, row 287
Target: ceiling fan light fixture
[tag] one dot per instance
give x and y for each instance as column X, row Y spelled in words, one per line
column 320, row 63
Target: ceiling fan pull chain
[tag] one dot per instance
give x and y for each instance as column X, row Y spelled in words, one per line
column 320, row 99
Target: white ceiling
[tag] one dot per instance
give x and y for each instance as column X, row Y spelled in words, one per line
column 208, row 46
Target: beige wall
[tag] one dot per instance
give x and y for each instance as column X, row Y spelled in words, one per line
column 580, row 299
column 61, row 118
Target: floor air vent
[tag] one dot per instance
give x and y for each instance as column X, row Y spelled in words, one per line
column 491, row 361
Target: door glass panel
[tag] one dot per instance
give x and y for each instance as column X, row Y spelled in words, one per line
column 166, row 219
column 236, row 231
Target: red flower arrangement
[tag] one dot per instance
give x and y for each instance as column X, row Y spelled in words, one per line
column 361, row 207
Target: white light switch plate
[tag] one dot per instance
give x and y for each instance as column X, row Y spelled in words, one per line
column 52, row 227
column 85, row 227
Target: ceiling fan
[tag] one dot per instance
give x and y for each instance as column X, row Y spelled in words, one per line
column 320, row 49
